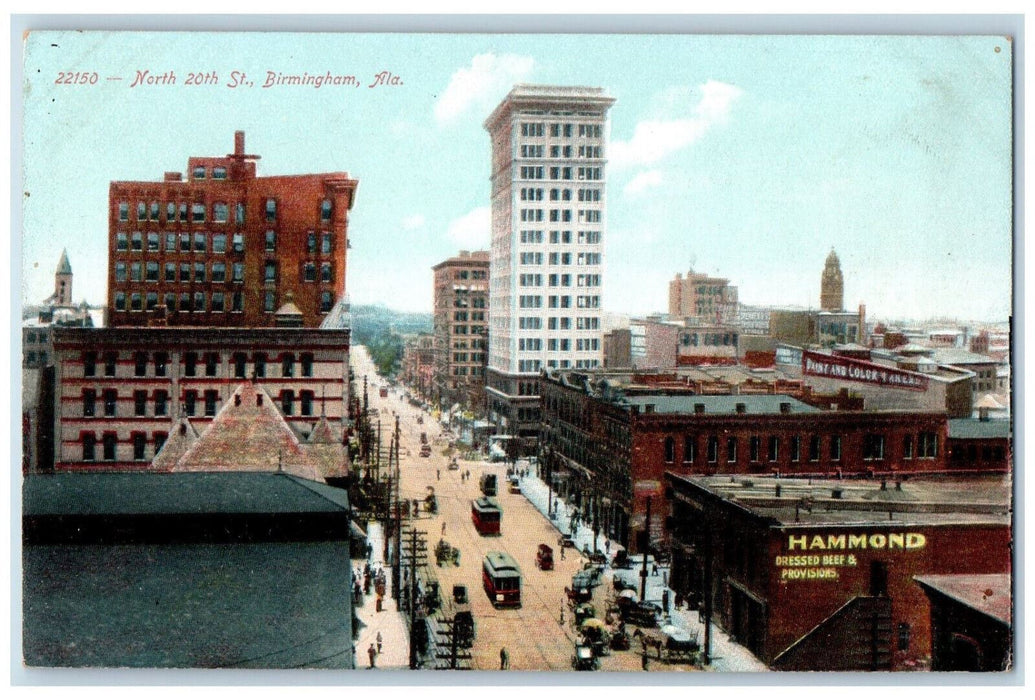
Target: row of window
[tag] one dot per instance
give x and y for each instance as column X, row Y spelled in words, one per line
column 109, row 444
column 473, row 316
column 160, row 402
column 582, row 323
column 558, row 130
column 198, row 302
column 202, row 241
column 712, row 339
column 872, row 448
column 216, row 272
column 561, row 172
column 536, row 194
column 465, row 330
column 470, row 274
column 194, row 364
column 198, row 212
column 559, row 237
column 538, row 150
column 556, row 280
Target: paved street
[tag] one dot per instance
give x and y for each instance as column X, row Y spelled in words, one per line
column 536, row 636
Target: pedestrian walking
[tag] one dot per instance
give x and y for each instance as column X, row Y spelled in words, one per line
column 378, row 642
column 504, row 659
column 664, row 601
column 562, row 552
column 371, row 652
column 438, row 475
column 370, row 550
column 607, row 546
column 443, row 528
column 643, row 659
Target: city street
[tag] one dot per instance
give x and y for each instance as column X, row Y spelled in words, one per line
column 534, row 635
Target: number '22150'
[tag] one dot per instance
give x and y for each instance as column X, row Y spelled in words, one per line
column 76, row 78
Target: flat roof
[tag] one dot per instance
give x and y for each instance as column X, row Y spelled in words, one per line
column 990, row 594
column 146, row 493
column 973, row 428
column 764, row 404
column 930, row 500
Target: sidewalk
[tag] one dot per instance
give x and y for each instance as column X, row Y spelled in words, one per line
column 726, row 655
column 395, row 644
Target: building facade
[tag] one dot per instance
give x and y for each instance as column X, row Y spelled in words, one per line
column 605, row 447
column 225, row 247
column 461, row 309
column 820, row 575
column 832, row 285
column 549, row 150
column 121, row 392
column 701, row 297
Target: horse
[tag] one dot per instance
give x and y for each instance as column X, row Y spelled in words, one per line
column 648, row 639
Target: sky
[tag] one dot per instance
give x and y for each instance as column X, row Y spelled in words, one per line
column 747, row 157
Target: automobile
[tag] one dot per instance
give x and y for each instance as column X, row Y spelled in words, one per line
column 584, row 659
column 544, row 557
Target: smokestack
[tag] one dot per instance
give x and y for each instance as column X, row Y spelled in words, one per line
column 238, row 143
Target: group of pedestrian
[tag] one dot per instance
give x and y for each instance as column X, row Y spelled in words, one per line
column 374, row 650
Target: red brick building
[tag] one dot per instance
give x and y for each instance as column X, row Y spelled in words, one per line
column 819, row 575
column 461, row 303
column 122, row 393
column 225, row 247
column 606, row 447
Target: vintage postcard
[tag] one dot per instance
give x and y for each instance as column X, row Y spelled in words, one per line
column 613, row 353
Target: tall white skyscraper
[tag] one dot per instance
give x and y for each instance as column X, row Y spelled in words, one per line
column 549, row 149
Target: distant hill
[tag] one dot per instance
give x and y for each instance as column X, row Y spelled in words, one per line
column 374, row 321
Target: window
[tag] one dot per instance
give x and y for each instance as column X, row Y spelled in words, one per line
column 185, row 302
column 211, row 363
column 139, row 445
column 689, row 449
column 907, row 447
column 903, row 636
column 89, row 403
column 306, row 399
column 239, row 213
column 120, row 271
column 814, row 448
column 219, row 243
column 140, row 403
column 927, row 445
column 170, row 216
column 190, row 364
column 123, row 211
column 219, row 173
column 756, row 448
column 184, row 242
column 240, row 361
column 287, row 401
column 325, row 210
column 199, row 272
column 135, row 272
column 270, row 274
column 219, row 272
column 90, row 364
column 199, row 301
column 307, row 364
column 121, row 241
column 141, row 211
column 326, row 302
column 238, row 272
column 137, row 241
column 153, row 242
column 198, row 173
column 197, row 213
column 110, row 440
column 260, row 364
column 218, row 302
column 310, row 242
column 211, row 399
column 238, row 242
column 140, row 364
column 773, row 453
column 200, row 242
column 731, row 450
column 161, row 402
column 170, row 272
column 873, row 447
column 170, row 301
column 220, row 212
column 271, row 209
column 835, row 448
column 111, row 402
column 184, row 272
column 325, row 273
column 110, row 360
column 309, row 272
column 795, row 448
column 183, row 212
column 237, row 302
column 271, row 241
column 190, row 402
column 326, row 242
column 152, row 271
column 159, row 442
column 670, row 450
column 89, row 441
column 287, row 365
column 713, row 449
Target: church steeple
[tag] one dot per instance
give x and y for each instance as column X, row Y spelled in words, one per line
column 832, row 286
column 63, row 281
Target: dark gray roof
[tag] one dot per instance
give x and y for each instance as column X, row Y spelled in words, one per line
column 180, row 493
column 753, row 404
column 972, row 428
column 959, row 356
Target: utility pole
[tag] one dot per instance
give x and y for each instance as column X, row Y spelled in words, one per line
column 707, row 594
column 396, row 562
column 413, row 599
column 646, row 547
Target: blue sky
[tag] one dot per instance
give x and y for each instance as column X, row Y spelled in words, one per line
column 743, row 156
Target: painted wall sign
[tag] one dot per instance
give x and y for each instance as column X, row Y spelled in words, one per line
column 820, row 365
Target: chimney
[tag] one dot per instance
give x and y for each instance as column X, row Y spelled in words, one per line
column 237, row 399
column 836, row 493
column 698, row 408
column 238, row 143
column 785, row 407
column 171, row 176
column 741, row 408
column 258, row 399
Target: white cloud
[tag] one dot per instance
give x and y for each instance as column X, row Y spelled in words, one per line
column 471, row 231
column 654, row 139
column 487, row 79
column 412, row 222
column 643, row 181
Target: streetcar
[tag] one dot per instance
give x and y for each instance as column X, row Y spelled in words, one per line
column 486, row 515
column 501, row 578
column 488, row 484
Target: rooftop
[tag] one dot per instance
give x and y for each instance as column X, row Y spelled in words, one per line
column 790, row 502
column 972, row 428
column 990, row 594
column 767, row 404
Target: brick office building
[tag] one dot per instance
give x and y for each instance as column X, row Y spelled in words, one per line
column 606, row 447
column 461, row 304
column 225, row 247
column 121, row 392
column 819, row 575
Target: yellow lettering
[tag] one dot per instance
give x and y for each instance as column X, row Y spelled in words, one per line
column 835, row 541
column 915, row 540
column 857, row 541
column 878, row 541
column 896, row 540
column 797, row 541
column 818, row 543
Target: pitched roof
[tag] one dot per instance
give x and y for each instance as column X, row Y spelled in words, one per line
column 990, row 594
column 323, row 433
column 249, row 434
column 325, row 447
column 182, row 437
column 64, row 268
